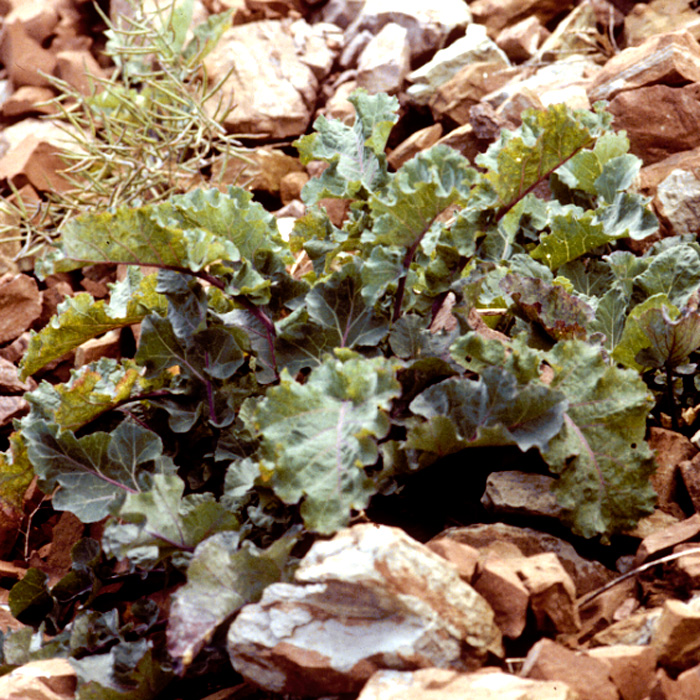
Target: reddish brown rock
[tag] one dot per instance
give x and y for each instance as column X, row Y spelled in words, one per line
column 651, row 138
column 418, row 141
column 442, row 684
column 632, row 668
column 498, row 582
column 455, row 97
column 588, row 676
column 690, row 473
column 497, row 14
column 80, row 70
column 520, row 41
column 667, row 538
column 463, row 557
column 676, row 639
column 20, row 305
column 670, row 449
column 552, row 592
column 668, row 59
column 29, row 99
column 107, row 345
column 524, row 541
column 660, row 17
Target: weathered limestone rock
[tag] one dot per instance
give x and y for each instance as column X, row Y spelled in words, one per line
column 521, row 493
column 587, row 575
column 28, row 99
column 500, row 585
column 20, row 305
column 632, row 668
column 521, row 40
column 316, row 45
column 497, row 14
column 653, row 139
column 263, row 169
column 341, row 12
column 428, row 24
column 274, row 91
column 370, row 598
column 678, row 202
column 385, row 61
column 441, row 684
column 465, row 141
column 676, row 638
column 418, row 141
column 669, row 59
column 291, row 186
column 10, row 383
column 49, row 679
column 552, row 592
column 588, row 676
column 91, row 350
column 637, row 629
column 474, row 47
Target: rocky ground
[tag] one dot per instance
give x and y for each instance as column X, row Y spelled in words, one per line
column 503, row 603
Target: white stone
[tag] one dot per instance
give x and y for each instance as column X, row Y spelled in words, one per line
column 370, row 598
column 679, row 199
column 474, row 47
column 385, row 61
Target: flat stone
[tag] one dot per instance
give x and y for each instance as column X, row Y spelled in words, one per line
column 676, row 638
column 273, row 90
column 418, row 141
column 428, row 24
column 80, row 70
column 49, row 679
column 474, row 47
column 441, row 684
column 552, row 592
column 317, row 45
column 521, row 40
column 463, row 557
column 12, row 407
column 371, row 598
column 587, row 676
column 498, row 582
column 667, row 538
column 498, row 14
column 521, row 493
column 385, row 61
column 456, row 97
column 637, row 629
column 632, row 668
column 668, row 59
column 660, row 17
column 20, row 305
column 587, row 575
column 28, row 99
column 341, row 12
column 107, row 345
column 465, row 141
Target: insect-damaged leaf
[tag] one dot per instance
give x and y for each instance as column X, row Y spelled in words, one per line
column 560, row 314
column 494, row 410
column 317, row 437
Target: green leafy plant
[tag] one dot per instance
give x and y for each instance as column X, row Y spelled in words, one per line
column 262, row 408
column 147, row 131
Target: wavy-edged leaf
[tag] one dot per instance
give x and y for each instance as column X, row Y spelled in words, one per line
column 81, row 318
column 675, row 272
column 94, row 471
column 560, row 314
column 496, row 409
column 161, row 520
column 672, row 339
column 600, row 455
column 317, row 437
column 355, row 153
column 16, row 475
